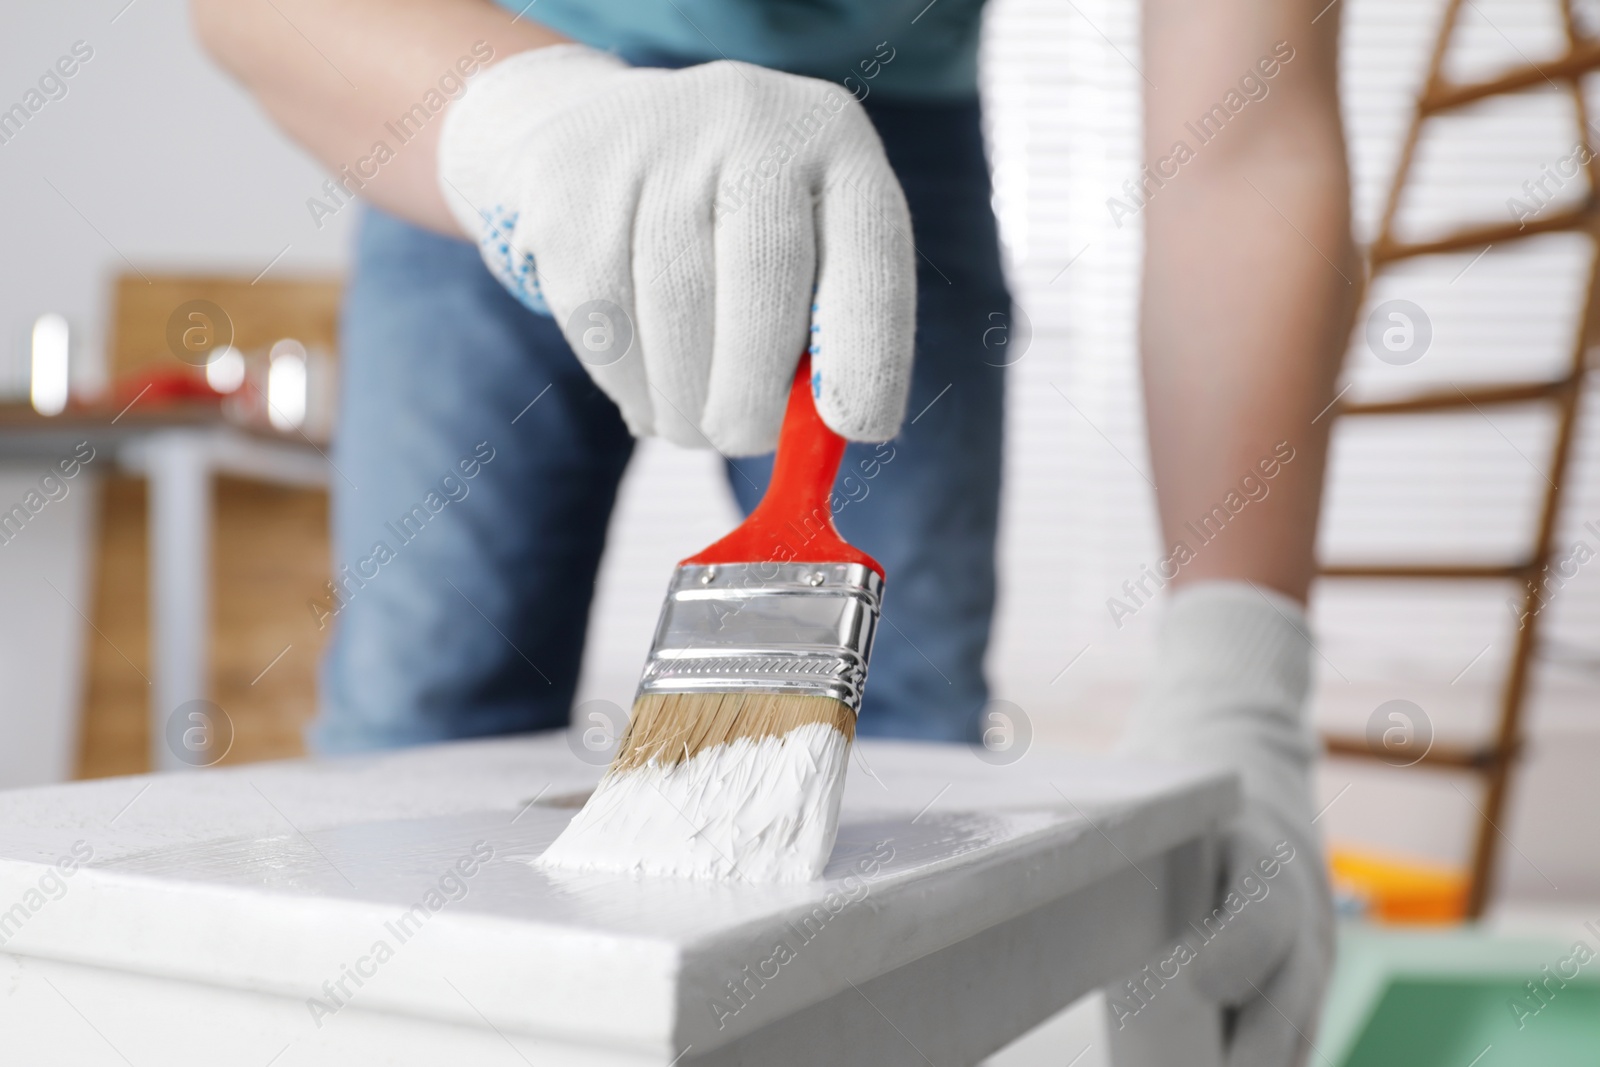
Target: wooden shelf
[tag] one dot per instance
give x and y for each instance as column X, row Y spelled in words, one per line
column 1455, row 398
column 1429, row 571
column 1582, row 58
column 1481, row 758
column 1388, row 250
column 1494, row 758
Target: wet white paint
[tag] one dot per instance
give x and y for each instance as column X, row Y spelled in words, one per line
column 755, row 810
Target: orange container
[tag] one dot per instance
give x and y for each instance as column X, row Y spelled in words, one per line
column 1397, row 889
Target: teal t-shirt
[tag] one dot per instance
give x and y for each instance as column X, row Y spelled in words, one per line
column 904, row 49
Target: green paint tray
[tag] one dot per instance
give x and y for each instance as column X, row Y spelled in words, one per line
column 1445, row 999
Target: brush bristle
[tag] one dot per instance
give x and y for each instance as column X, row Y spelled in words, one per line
column 675, row 727
column 717, row 785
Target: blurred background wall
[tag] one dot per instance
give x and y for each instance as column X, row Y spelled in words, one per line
column 151, row 161
column 154, row 162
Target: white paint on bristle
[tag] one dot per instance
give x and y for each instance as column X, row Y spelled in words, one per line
column 762, row 810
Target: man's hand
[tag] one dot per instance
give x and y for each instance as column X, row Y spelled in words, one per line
column 1229, row 690
column 1270, row 966
column 692, row 231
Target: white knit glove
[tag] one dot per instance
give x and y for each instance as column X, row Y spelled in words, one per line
column 1229, row 691
column 692, row 231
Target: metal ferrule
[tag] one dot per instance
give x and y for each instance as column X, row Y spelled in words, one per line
column 796, row 628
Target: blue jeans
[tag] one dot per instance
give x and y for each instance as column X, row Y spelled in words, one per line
column 466, row 539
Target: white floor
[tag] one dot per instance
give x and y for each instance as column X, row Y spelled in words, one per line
column 1075, row 1038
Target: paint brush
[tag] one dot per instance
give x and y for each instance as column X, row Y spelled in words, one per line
column 734, row 759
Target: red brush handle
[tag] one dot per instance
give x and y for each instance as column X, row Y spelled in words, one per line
column 794, row 521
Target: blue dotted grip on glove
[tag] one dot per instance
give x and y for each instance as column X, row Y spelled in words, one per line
column 513, row 268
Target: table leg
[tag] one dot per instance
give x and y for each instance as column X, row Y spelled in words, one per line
column 180, row 578
column 1176, row 1027
column 1156, row 1021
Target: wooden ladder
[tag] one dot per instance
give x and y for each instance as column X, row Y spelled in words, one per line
column 1492, row 760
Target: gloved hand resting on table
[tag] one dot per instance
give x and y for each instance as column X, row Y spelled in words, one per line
column 1229, row 690
column 733, row 215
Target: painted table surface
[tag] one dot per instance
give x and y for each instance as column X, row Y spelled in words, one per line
column 285, row 878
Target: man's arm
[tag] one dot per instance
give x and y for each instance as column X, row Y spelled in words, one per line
column 331, row 73
column 1249, row 275
column 1249, row 282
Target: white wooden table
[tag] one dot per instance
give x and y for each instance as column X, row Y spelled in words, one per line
column 280, row 914
column 182, row 465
